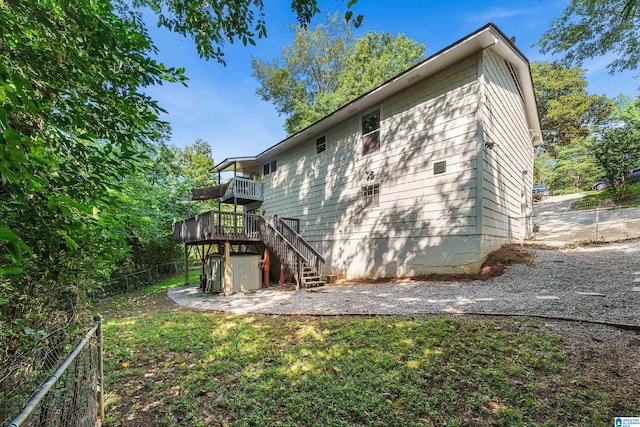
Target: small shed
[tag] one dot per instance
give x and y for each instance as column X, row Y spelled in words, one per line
column 245, row 274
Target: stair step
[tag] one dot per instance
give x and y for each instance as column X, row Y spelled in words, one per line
column 313, row 284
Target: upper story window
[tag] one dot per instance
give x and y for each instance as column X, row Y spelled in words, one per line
column 371, row 132
column 321, row 144
column 268, row 168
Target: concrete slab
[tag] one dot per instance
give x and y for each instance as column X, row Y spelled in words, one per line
column 591, row 294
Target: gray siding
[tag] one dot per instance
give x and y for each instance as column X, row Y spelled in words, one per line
column 507, row 168
column 424, row 222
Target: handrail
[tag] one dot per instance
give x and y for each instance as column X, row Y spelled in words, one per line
column 243, row 188
column 215, row 224
column 302, row 240
column 283, row 238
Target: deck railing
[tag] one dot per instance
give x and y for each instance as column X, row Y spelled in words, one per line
column 243, row 188
column 214, row 225
column 311, row 257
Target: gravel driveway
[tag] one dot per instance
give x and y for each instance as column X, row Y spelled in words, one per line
column 594, row 282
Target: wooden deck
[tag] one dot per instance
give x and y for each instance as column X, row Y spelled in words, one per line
column 215, row 226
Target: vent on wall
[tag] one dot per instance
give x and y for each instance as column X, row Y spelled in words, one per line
column 439, row 167
column 514, row 77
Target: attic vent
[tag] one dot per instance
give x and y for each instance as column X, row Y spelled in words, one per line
column 514, row 77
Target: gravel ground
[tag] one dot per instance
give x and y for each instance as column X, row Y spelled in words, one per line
column 591, row 282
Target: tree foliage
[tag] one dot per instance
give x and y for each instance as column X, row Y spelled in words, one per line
column 566, row 110
column 590, row 28
column 213, row 23
column 328, row 67
column 616, row 145
column 75, row 124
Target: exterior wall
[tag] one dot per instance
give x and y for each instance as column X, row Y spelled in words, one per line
column 507, row 168
column 424, row 222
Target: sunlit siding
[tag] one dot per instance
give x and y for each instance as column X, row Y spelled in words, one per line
column 508, row 166
column 424, row 222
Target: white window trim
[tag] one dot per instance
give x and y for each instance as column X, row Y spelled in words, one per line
column 380, row 128
column 315, row 147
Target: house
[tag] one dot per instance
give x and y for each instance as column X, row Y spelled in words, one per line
column 427, row 173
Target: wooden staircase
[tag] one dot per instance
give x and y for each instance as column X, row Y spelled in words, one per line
column 294, row 252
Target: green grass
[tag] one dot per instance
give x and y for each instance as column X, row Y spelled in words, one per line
column 166, row 367
column 590, row 201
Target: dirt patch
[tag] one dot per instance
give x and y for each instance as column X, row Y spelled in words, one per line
column 495, row 265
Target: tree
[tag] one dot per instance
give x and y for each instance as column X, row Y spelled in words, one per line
column 576, row 168
column 74, row 125
column 301, row 83
column 590, row 28
column 616, row 145
column 213, row 23
column 328, row 67
column 566, row 109
column 197, row 162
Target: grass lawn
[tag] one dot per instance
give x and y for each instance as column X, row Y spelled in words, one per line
column 166, row 366
column 590, row 201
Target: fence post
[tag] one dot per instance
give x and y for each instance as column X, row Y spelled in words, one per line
column 98, row 319
column 597, row 215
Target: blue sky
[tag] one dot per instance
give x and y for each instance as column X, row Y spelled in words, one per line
column 220, row 106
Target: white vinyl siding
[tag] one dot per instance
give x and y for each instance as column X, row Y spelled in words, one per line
column 423, row 223
column 506, row 187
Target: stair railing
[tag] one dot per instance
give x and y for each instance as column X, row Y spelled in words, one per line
column 311, row 256
column 289, row 256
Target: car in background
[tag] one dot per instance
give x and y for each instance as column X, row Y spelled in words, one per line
column 634, row 175
column 540, row 192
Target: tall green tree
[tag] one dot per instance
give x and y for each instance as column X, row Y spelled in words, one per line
column 197, row 162
column 74, row 125
column 566, row 110
column 591, row 28
column 328, row 67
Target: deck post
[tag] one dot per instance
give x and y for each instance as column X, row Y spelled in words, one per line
column 203, row 277
column 228, row 289
column 186, row 264
column 265, row 268
column 283, row 276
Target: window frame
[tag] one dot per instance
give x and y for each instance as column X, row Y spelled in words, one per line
column 323, row 144
column 371, row 194
column 366, row 146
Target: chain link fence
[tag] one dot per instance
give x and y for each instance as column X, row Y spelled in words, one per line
column 596, row 223
column 137, row 280
column 55, row 383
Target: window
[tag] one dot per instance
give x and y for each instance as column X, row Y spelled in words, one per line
column 321, row 144
column 371, row 195
column 439, row 167
column 371, row 132
column 268, row 168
